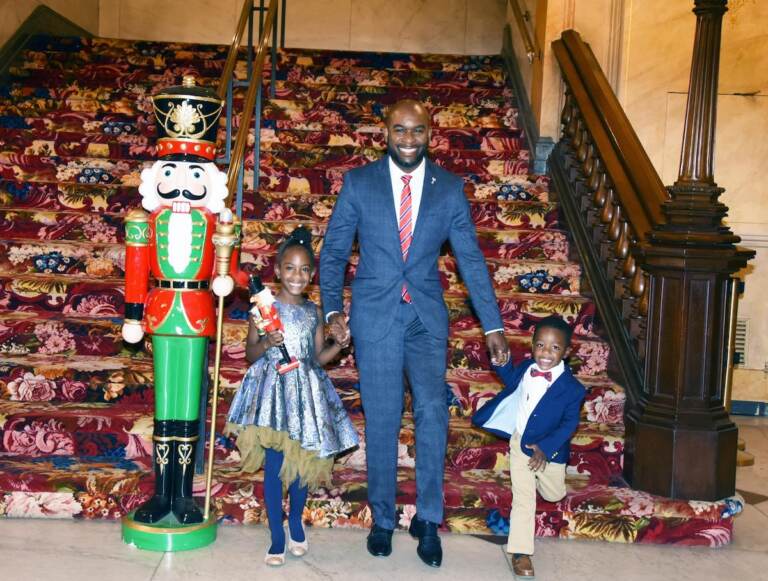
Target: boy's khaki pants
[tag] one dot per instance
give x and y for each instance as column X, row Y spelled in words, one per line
column 550, row 483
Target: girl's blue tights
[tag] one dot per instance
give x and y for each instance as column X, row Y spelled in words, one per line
column 273, row 498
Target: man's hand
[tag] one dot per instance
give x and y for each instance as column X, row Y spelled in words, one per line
column 497, row 345
column 538, row 461
column 338, row 328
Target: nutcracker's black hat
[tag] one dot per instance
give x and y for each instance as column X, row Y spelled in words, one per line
column 187, row 120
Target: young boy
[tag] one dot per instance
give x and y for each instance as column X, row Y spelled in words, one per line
column 538, row 411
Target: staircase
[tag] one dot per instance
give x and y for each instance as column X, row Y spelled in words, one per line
column 76, row 403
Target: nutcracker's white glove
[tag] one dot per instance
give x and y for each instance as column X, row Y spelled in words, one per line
column 132, row 332
column 223, row 286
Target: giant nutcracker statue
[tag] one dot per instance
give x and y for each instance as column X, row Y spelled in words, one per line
column 184, row 193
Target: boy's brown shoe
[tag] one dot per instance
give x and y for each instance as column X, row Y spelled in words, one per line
column 522, row 566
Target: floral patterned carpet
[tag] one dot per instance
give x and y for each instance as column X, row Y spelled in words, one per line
column 76, row 403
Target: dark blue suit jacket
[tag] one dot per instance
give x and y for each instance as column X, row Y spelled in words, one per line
column 365, row 208
column 553, row 420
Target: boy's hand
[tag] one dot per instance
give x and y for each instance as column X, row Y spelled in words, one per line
column 274, row 338
column 538, row 461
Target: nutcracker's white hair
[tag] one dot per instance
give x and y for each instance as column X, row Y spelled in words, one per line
column 217, row 193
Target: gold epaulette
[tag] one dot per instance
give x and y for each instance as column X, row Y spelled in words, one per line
column 137, row 215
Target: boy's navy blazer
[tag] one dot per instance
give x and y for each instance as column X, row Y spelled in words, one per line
column 552, row 422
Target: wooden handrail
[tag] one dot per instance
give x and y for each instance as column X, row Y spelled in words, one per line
column 531, row 50
column 229, row 65
column 238, row 150
column 644, row 193
column 612, row 198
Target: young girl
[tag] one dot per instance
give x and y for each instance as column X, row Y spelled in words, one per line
column 293, row 423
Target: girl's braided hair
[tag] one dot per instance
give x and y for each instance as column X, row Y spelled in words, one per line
column 299, row 237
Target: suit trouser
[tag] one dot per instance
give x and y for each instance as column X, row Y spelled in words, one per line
column 408, row 348
column 549, row 482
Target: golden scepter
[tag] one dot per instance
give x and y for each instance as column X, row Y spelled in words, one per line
column 224, row 240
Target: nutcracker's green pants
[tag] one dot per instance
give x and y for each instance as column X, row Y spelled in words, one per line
column 179, row 370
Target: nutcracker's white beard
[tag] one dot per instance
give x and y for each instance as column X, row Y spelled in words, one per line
column 179, row 240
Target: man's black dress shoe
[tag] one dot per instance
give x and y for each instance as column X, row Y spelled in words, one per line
column 380, row 541
column 429, row 549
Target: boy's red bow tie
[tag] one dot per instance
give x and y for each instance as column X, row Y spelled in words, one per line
column 545, row 374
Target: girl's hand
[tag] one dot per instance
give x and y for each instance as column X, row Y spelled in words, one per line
column 273, row 338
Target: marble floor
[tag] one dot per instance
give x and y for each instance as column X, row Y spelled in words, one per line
column 63, row 550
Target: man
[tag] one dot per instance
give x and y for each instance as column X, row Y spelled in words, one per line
column 184, row 192
column 403, row 208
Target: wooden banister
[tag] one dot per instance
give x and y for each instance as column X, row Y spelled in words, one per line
column 660, row 262
column 611, row 197
column 647, row 183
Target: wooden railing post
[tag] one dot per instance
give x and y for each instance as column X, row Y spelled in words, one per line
column 684, row 440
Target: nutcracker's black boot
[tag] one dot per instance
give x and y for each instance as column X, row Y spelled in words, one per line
column 160, row 504
column 184, row 506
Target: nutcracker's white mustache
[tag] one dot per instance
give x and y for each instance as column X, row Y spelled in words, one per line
column 173, row 194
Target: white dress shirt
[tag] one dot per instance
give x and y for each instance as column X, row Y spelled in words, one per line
column 532, row 389
column 417, row 186
column 513, row 413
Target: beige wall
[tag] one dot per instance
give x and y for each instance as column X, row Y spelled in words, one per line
column 202, row 21
column 654, row 83
column 438, row 26
column 644, row 47
column 84, row 13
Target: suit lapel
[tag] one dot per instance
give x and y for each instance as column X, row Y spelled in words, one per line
column 385, row 205
column 428, row 199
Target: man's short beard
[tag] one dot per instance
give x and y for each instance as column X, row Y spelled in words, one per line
column 401, row 163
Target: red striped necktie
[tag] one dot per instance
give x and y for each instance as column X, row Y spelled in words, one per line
column 406, row 225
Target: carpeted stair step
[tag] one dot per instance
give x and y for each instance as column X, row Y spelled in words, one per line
column 43, row 47
column 213, row 58
column 120, row 139
column 83, row 170
column 310, row 181
column 113, row 379
column 98, row 146
column 540, row 257
column 508, row 204
column 510, row 243
column 107, row 488
column 70, row 96
column 117, row 141
column 63, row 226
column 53, row 196
column 88, row 337
column 485, row 138
column 124, row 73
column 486, row 112
column 55, row 297
column 40, row 429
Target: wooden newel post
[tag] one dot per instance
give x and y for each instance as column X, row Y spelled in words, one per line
column 683, row 443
